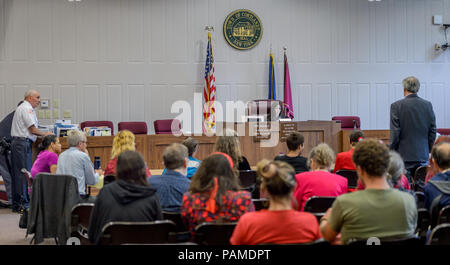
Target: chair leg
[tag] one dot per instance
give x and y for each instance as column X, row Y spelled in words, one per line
column 56, row 240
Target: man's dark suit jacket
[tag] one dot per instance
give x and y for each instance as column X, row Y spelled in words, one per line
column 413, row 128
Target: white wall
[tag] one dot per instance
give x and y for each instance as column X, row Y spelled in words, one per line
column 131, row 59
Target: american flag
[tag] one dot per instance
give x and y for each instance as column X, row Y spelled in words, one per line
column 209, row 91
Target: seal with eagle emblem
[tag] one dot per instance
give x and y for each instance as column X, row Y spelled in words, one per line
column 242, row 29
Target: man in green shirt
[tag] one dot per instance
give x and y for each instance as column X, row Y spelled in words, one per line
column 379, row 210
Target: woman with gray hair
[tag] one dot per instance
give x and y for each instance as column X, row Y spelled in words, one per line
column 396, row 172
column 319, row 181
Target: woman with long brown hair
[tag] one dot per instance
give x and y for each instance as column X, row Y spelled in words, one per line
column 230, row 145
column 214, row 194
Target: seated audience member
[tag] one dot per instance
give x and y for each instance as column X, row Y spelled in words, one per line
column 437, row 190
column 280, row 224
column 294, row 143
column 229, row 144
column 379, row 210
column 47, row 158
column 344, row 159
column 396, row 174
column 214, row 194
column 129, row 199
column 123, row 141
column 172, row 184
column 432, row 170
column 75, row 161
column 319, row 181
column 193, row 163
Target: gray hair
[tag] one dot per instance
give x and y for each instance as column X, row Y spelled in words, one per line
column 29, row 93
column 74, row 137
column 396, row 168
column 174, row 156
column 322, row 155
column 411, row 84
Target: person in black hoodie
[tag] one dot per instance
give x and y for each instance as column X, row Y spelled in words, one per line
column 130, row 198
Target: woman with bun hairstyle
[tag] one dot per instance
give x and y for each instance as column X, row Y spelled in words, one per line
column 47, row 158
column 214, row 194
column 280, row 223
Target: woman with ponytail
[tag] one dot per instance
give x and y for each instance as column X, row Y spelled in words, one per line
column 47, row 158
column 214, row 194
column 280, row 223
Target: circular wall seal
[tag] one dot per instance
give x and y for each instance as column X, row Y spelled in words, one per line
column 242, row 29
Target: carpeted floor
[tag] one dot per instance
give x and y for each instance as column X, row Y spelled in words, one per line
column 11, row 234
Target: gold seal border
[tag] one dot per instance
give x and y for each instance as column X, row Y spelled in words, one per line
column 228, row 40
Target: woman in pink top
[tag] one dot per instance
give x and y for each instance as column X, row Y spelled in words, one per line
column 47, row 159
column 319, row 181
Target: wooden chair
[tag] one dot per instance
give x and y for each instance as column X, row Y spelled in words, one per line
column 81, row 213
column 318, row 205
column 117, row 233
column 351, row 177
column 261, row 203
column 214, row 233
column 440, row 235
column 419, row 178
column 444, row 215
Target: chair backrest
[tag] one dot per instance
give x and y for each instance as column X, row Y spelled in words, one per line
column 108, row 179
column 444, row 215
column 81, row 213
column 318, row 242
column 410, row 241
column 97, row 124
column 443, row 131
column 351, row 176
column 319, row 204
column 440, row 235
column 247, row 178
column 177, row 219
column 420, row 199
column 423, row 222
column 348, row 122
column 117, row 233
column 28, row 177
column 136, row 127
column 260, row 204
column 214, row 233
column 165, row 126
column 419, row 178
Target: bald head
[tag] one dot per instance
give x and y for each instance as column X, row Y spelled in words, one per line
column 441, row 155
column 33, row 97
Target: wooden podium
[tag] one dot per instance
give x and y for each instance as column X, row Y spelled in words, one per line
column 152, row 146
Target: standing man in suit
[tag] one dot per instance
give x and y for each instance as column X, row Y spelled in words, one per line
column 413, row 127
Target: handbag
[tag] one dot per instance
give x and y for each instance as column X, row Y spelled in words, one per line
column 23, row 218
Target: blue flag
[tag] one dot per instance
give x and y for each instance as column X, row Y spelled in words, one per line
column 272, row 87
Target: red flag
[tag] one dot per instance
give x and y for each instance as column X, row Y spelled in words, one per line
column 287, row 90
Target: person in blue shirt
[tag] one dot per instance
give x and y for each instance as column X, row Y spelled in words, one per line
column 440, row 183
column 193, row 163
column 172, row 184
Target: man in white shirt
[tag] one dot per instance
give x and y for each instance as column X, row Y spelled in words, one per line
column 24, row 131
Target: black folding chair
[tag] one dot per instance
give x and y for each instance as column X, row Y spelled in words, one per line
column 351, row 176
column 444, row 215
column 182, row 233
column 261, row 203
column 318, row 205
column 249, row 182
column 109, row 179
column 81, row 213
column 440, row 235
column 214, row 233
column 423, row 223
column 419, row 178
column 318, row 242
column 410, row 241
column 118, row 233
column 420, row 199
